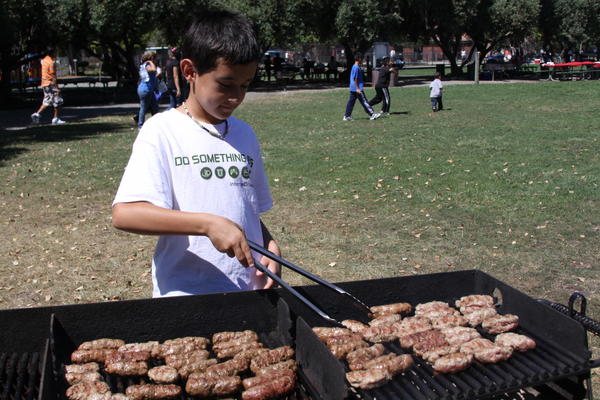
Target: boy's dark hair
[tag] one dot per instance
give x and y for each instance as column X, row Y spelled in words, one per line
column 437, row 75
column 358, row 56
column 215, row 34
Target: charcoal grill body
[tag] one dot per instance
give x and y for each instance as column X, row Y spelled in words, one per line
column 561, row 358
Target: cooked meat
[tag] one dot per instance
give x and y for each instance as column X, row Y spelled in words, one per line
column 333, row 340
column 118, row 396
column 163, row 374
column 203, row 385
column 227, row 336
column 432, row 355
column 475, row 345
column 83, row 390
column 270, row 369
column 198, row 341
column 249, row 354
column 82, row 368
column 276, row 387
column 259, row 380
column 430, row 336
column 77, row 377
column 449, row 321
column 412, row 325
column 177, row 360
column 127, row 368
column 386, row 319
column 430, row 306
column 114, row 356
column 435, row 314
column 271, row 357
column 86, row 356
column 460, row 334
column 394, row 308
column 232, row 351
column 364, row 354
column 354, row 326
column 104, row 343
column 150, row 391
column 391, row 363
column 429, row 344
column 178, row 348
column 368, row 378
column 476, row 317
column 322, row 331
column 515, row 341
column 231, row 367
column 452, row 362
column 380, row 333
column 195, row 366
column 341, row 350
column 233, row 343
column 152, row 347
column 493, row 354
column 480, row 300
column 500, row 323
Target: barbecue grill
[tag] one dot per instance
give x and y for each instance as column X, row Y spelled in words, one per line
column 36, row 343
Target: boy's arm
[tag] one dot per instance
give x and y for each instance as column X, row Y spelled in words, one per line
column 146, row 218
column 273, row 247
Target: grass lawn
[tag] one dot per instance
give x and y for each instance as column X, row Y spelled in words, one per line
column 504, row 180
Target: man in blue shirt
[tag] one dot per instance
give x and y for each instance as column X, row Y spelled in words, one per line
column 356, row 91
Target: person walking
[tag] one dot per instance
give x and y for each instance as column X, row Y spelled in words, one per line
column 50, row 89
column 382, row 91
column 174, row 81
column 146, row 87
column 356, row 91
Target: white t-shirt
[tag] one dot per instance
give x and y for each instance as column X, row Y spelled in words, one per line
column 177, row 165
column 436, row 88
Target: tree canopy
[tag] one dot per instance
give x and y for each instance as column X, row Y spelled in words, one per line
column 116, row 30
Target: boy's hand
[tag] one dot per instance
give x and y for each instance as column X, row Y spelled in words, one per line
column 228, row 237
column 270, row 264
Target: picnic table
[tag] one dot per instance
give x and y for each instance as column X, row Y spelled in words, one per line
column 577, row 70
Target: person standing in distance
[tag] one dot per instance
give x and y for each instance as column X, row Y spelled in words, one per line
column 382, row 91
column 50, row 89
column 357, row 91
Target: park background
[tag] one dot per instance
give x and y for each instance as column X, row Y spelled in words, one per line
column 505, row 180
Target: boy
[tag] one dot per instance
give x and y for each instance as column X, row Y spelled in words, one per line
column 435, row 93
column 356, row 91
column 196, row 176
column 382, row 92
column 50, row 88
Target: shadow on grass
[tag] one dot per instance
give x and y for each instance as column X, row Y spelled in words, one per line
column 14, row 142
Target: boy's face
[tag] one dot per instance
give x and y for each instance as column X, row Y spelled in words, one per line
column 214, row 95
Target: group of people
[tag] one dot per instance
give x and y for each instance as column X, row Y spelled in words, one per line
column 150, row 88
column 382, row 91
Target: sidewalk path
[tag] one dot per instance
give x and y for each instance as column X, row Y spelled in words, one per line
column 20, row 119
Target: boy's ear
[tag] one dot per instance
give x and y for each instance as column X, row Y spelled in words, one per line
column 187, row 68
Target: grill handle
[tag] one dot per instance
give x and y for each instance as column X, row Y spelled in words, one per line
column 294, row 292
column 308, row 275
column 589, row 324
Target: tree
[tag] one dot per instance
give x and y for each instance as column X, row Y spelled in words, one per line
column 502, row 22
column 23, row 30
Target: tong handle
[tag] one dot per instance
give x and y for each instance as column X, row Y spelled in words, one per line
column 306, row 274
column 293, row 291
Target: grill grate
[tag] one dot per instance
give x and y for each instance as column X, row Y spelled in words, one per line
column 19, row 376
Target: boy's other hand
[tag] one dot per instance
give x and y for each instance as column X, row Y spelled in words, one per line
column 228, row 237
column 272, row 265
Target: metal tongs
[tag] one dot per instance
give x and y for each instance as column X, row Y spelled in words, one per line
column 306, row 274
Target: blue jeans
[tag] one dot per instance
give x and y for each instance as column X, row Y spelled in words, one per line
column 174, row 101
column 436, row 103
column 147, row 103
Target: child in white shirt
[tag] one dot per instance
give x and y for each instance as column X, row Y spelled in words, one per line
column 435, row 93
